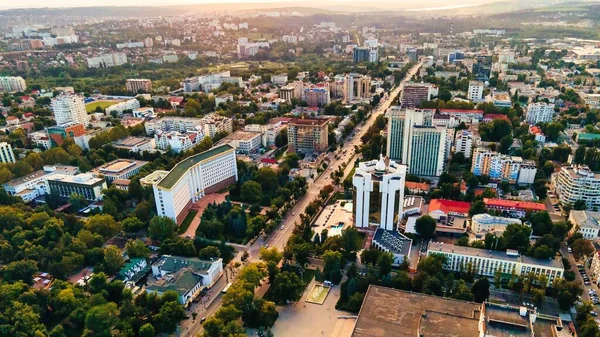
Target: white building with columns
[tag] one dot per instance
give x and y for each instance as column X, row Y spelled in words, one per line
column 379, row 193
column 192, row 178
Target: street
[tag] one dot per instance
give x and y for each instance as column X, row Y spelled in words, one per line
column 279, row 237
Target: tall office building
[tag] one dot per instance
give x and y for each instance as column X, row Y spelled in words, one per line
column 68, row 108
column 356, row 86
column 379, row 193
column 414, row 93
column 539, row 113
column 191, row 179
column 482, row 68
column 475, row 91
column 360, row 54
column 6, row 153
column 413, row 141
column 12, row 84
column 307, row 135
column 136, row 85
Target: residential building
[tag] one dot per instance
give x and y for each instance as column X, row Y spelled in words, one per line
column 486, row 262
column 145, row 112
column 442, row 209
column 513, row 208
column 12, row 84
column 394, row 242
column 279, row 79
column 573, row 183
column 119, row 169
column 365, row 54
column 482, row 224
column 482, row 68
column 83, row 184
column 387, row 312
column 224, row 98
column 356, row 87
column 208, row 83
column 107, row 60
column 501, row 167
column 187, row 276
column 539, row 112
column 585, row 222
column 68, row 108
column 538, row 134
column 464, row 143
column 307, row 135
column 119, row 108
column 209, row 125
column 122, row 184
column 177, row 142
column 414, row 93
column 455, row 56
column 133, row 271
column 417, row 188
column 137, row 85
column 475, row 92
column 192, row 178
column 6, row 153
column 135, row 144
column 59, row 133
column 457, row 116
column 315, row 96
column 244, row 142
column 595, row 267
column 287, row 93
column 379, row 193
column 35, row 184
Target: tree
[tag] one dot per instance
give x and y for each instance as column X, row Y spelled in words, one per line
column 481, row 289
column 462, row 291
column 370, row 256
column 137, row 248
column 77, row 201
column 271, row 255
column 477, row 207
column 333, row 263
column 582, row 247
column 263, row 314
column 104, row 225
column 566, row 292
column 101, row 319
column 287, row 286
column 350, row 239
column 425, row 226
column 22, row 270
column 162, row 228
column 209, row 252
column 384, row 262
column 505, row 144
column 113, row 260
column 251, row 192
column 168, row 316
column 132, row 225
column 147, row 330
column 580, row 205
column 516, row 236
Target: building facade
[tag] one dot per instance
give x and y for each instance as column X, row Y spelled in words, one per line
column 475, row 91
column 485, row 263
column 85, row 185
column 356, row 87
column 464, row 143
column 574, row 182
column 501, row 167
column 193, row 178
column 483, row 223
column 539, row 113
column 12, row 84
column 415, row 93
column 6, row 153
column 585, row 222
column 69, row 108
column 119, row 169
column 379, row 194
column 307, row 135
column 137, row 85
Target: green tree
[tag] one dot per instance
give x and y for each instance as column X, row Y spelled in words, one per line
column 132, row 225
column 147, row 330
column 271, row 255
column 209, row 252
column 287, row 286
column 481, row 289
column 104, row 225
column 251, row 192
column 113, row 260
column 162, row 228
column 22, row 270
column 425, row 226
column 101, row 319
column 384, row 262
column 137, row 248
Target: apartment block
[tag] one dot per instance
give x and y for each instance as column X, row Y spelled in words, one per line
column 577, row 182
column 6, row 153
column 539, row 113
column 307, row 135
column 12, row 84
column 69, row 108
column 138, row 85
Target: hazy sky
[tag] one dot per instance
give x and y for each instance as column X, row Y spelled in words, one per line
column 86, row 3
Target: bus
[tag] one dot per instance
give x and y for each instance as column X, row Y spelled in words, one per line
column 224, row 291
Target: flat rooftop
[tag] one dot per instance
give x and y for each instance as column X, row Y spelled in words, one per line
column 308, row 121
column 132, row 141
column 180, row 168
column 387, row 312
column 119, row 166
column 495, row 254
column 241, row 135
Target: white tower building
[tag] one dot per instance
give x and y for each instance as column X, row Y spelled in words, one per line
column 70, row 109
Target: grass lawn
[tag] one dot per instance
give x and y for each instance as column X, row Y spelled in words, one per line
column 91, row 107
column 187, row 221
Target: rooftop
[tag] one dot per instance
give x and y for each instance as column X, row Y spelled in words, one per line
column 393, row 240
column 132, row 141
column 387, row 312
column 241, row 135
column 508, row 255
column 527, row 205
column 119, row 165
column 308, row 121
column 448, row 206
column 61, row 169
column 80, row 179
column 587, row 219
column 180, row 168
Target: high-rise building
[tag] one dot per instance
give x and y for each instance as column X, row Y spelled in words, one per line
column 464, row 143
column 287, row 93
column 356, row 87
column 539, row 112
column 136, row 85
column 379, row 193
column 316, row 96
column 574, row 183
column 500, row 167
column 415, row 93
column 107, row 60
column 482, row 68
column 12, row 84
column 475, row 91
column 6, row 153
column 413, row 141
column 68, row 108
column 192, row 178
column 455, row 56
column 307, row 135
column 148, row 43
column 360, row 54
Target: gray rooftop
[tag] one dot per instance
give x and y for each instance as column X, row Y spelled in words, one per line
column 393, row 240
column 585, row 219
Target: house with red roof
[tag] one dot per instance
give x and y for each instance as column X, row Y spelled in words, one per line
column 175, row 101
column 12, row 121
column 537, row 132
column 440, row 209
column 28, row 116
column 417, row 188
column 490, row 117
column 517, row 208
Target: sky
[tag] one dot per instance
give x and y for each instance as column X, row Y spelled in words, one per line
column 85, row 3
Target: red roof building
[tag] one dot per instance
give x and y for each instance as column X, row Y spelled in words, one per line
column 517, row 207
column 490, row 117
column 414, row 187
column 442, row 208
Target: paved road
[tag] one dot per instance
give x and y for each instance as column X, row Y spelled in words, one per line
column 279, row 237
column 569, row 256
